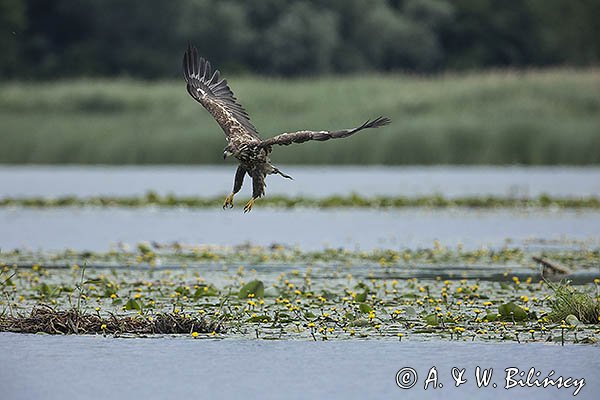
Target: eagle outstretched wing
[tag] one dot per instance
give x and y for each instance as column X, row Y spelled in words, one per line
column 206, row 87
column 304, row 136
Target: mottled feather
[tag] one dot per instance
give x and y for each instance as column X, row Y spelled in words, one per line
column 207, row 87
column 285, row 139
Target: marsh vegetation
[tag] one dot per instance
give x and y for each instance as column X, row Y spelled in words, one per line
column 330, row 202
column 532, row 117
column 316, row 296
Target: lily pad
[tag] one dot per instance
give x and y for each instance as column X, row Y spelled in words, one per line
column 364, row 308
column 132, row 305
column 259, row 318
column 361, row 297
column 512, row 312
column 432, row 320
column 255, row 288
column 492, row 316
column 205, row 290
column 572, row 320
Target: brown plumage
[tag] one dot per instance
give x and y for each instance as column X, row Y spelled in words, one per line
column 243, row 141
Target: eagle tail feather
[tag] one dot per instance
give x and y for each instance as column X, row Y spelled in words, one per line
column 277, row 171
column 376, row 123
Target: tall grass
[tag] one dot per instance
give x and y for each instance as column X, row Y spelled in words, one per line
column 502, row 117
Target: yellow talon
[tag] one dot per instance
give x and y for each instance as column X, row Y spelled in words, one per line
column 228, row 201
column 249, row 205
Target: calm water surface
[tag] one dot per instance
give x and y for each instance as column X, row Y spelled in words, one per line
column 93, row 367
column 315, row 181
column 98, row 229
column 101, row 228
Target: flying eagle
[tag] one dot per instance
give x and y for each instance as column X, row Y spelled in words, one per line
column 243, row 142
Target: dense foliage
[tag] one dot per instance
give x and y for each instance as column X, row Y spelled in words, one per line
column 534, row 118
column 145, row 38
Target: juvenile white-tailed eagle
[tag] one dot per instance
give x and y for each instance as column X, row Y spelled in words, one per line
column 243, row 142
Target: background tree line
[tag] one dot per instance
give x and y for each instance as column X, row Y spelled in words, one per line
column 145, row 38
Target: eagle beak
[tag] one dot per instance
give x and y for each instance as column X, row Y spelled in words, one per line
column 226, row 154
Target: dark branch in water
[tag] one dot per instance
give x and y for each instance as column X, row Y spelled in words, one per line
column 46, row 319
column 552, row 266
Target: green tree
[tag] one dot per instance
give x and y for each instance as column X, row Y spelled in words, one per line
column 490, row 33
column 569, row 30
column 300, row 42
column 220, row 30
column 12, row 25
column 391, row 40
column 145, row 38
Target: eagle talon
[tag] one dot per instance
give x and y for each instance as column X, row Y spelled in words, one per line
column 248, row 206
column 228, row 202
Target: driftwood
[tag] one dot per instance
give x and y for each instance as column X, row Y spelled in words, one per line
column 551, row 267
column 46, row 319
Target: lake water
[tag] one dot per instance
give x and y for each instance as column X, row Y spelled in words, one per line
column 100, row 228
column 317, row 181
column 93, row 367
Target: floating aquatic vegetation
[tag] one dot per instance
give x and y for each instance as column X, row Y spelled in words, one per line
column 353, row 200
column 319, row 302
column 252, row 289
column 443, row 260
column 574, row 306
column 512, row 312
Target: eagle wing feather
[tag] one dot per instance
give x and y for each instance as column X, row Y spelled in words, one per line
column 207, row 87
column 285, row 139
